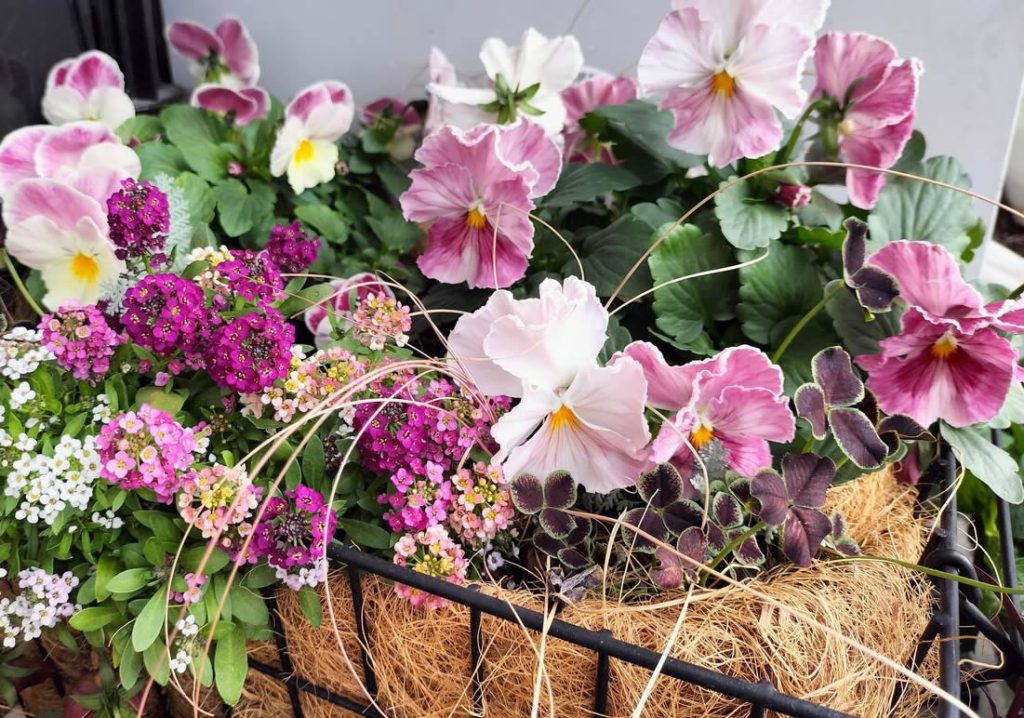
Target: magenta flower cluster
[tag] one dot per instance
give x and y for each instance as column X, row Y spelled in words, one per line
column 139, row 219
column 417, row 422
column 253, row 275
column 147, row 449
column 419, row 501
column 251, row 351
column 294, row 529
column 164, row 313
column 80, row 339
column 290, row 249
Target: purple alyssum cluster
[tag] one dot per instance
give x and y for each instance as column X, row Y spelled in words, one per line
column 251, row 351
column 80, row 339
column 290, row 249
column 293, row 535
column 139, row 220
column 165, row 313
column 253, row 275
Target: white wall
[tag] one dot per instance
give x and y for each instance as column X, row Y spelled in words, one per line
column 972, row 50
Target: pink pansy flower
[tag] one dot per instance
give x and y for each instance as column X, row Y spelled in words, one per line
column 87, row 87
column 948, row 362
column 403, row 141
column 552, row 64
column 61, row 232
column 226, row 56
column 244, row 106
column 587, row 96
column 875, row 91
column 573, row 414
column 734, row 398
column 347, row 293
column 306, row 146
column 86, row 155
column 477, row 188
column 724, row 68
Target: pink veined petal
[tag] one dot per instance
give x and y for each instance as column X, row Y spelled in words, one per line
column 475, row 149
column 193, row 40
column 466, row 347
column 17, row 155
column 668, row 387
column 724, row 128
column 736, row 17
column 239, row 50
column 670, row 445
column 99, row 182
column 747, row 455
column 528, row 148
column 317, row 94
column 736, row 366
column 610, row 400
column 769, row 64
column 967, row 387
column 94, row 69
column 684, row 52
column 111, row 156
column 892, row 100
column 248, row 104
column 842, row 58
column 876, row 147
column 261, row 102
column 502, row 257
column 740, row 413
column 61, row 204
column 62, row 149
column 331, row 120
column 444, row 191
column 58, row 74
column 456, row 253
column 1008, row 315
column 583, row 97
column 516, row 426
column 930, row 280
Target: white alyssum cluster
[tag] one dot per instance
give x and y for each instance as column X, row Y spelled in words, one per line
column 107, row 519
column 21, row 395
column 101, row 413
column 43, row 600
column 21, row 353
column 311, row 576
column 49, row 484
column 188, row 630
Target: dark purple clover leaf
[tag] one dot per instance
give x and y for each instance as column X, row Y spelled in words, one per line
column 876, row 289
column 556, row 523
column 854, row 246
column 740, row 488
column 807, row 477
column 770, row 491
column 857, row 437
column 573, row 558
column 648, row 522
column 726, row 510
column 681, row 515
column 662, row 486
column 839, row 538
column 905, row 428
column 748, row 553
column 869, row 406
column 669, row 573
column 833, row 373
column 810, row 405
column 839, row 526
column 559, row 490
column 803, row 533
column 527, row 494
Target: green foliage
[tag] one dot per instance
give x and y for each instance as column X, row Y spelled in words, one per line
column 747, row 221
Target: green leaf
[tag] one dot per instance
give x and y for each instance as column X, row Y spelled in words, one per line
column 106, row 568
column 159, row 158
column 640, row 133
column 781, row 286
column 131, row 665
column 991, row 464
column 218, row 559
column 309, row 602
column 328, row 223
column 609, row 253
column 168, row 401
column 94, row 618
column 230, row 664
column 150, row 621
column 306, row 298
column 584, row 182
column 685, row 310
column 859, row 331
column 248, row 606
column 198, row 137
column 130, row 580
column 366, row 534
column 748, row 222
column 157, row 662
column 1013, row 408
column 910, row 209
column 201, row 199
column 395, row 232
column 313, row 459
column 141, row 128
column 235, row 207
column 821, row 212
column 618, row 338
column 160, row 523
column 393, row 177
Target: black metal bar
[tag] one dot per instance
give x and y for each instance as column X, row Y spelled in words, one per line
column 756, row 710
column 282, row 652
column 760, row 693
column 476, row 656
column 355, row 582
column 1012, row 656
column 948, row 616
column 601, row 687
column 296, row 684
column 1006, row 548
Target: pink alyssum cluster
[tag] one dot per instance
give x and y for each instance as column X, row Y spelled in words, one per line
column 80, row 339
column 379, row 318
column 420, row 501
column 482, row 505
column 290, row 249
column 166, row 313
column 434, row 553
column 147, row 449
column 139, row 219
column 294, row 532
column 251, row 351
column 219, row 501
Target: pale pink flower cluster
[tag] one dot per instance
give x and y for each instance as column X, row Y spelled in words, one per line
column 379, row 318
column 219, row 500
column 434, row 553
column 482, row 505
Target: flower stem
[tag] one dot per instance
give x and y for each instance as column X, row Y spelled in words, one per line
column 16, row 278
column 1016, row 292
column 724, row 553
column 805, row 319
column 798, row 129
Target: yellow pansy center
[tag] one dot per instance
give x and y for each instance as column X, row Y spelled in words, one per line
column 723, row 83
column 944, row 347
column 85, row 268
column 846, row 128
column 304, row 152
column 701, row 436
column 564, row 418
column 475, row 219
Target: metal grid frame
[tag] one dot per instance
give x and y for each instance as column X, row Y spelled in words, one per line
column 955, row 614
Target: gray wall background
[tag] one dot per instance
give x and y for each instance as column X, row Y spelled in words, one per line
column 971, row 49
